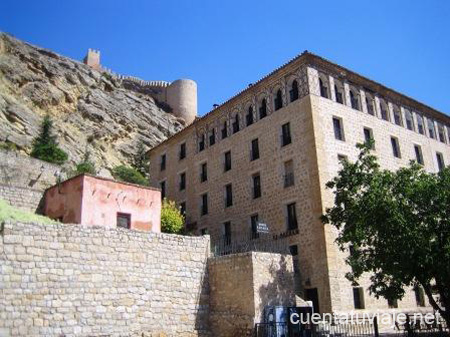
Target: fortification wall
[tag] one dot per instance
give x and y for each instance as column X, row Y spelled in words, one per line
column 23, row 171
column 73, row 280
column 22, row 197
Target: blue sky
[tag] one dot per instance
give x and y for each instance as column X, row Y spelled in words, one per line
column 224, row 45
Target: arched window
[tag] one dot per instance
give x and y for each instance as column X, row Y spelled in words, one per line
column 323, row 89
column 409, row 120
column 236, row 124
column 293, row 93
column 355, row 99
column 339, row 91
column 384, row 110
column 278, row 102
column 370, row 103
column 397, row 115
column 263, row 109
column 249, row 116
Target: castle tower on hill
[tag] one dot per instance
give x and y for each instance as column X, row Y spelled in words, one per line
column 180, row 95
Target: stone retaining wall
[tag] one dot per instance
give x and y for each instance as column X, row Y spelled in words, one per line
column 23, row 198
column 72, row 280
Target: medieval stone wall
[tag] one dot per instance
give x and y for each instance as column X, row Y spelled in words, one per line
column 72, row 280
column 21, row 197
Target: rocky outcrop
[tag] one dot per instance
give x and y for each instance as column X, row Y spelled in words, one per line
column 91, row 110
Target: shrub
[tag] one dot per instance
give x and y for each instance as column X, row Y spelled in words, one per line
column 8, row 146
column 129, row 175
column 140, row 160
column 172, row 221
column 86, row 165
column 45, row 146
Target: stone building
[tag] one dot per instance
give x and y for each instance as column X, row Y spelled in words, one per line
column 265, row 155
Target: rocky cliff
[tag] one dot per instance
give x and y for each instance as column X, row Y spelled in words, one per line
column 90, row 110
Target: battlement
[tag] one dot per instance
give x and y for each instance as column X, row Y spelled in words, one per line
column 180, row 95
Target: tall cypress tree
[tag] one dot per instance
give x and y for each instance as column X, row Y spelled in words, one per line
column 45, row 146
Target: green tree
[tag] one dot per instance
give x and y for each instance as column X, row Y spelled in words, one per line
column 172, row 221
column 140, row 160
column 86, row 165
column 129, row 174
column 399, row 226
column 45, row 146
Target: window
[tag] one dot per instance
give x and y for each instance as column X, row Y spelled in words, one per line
column 291, row 216
column 256, row 186
column 419, row 155
column 355, row 99
column 358, row 298
column 123, row 220
column 236, row 124
column 288, row 173
column 420, row 127
column 162, row 186
column 368, row 137
column 392, row 303
column 342, row 157
column 323, row 88
column 204, row 204
column 162, row 165
column 212, row 137
column 431, row 131
column 384, row 109
column 293, row 250
column 182, row 181
column 254, row 226
column 395, row 147
column 203, row 172
column 249, row 116
column 370, row 103
column 224, row 130
column 339, row 91
column 255, row 149
column 397, row 115
column 286, row 134
column 293, row 93
column 263, row 109
column 183, row 208
column 227, row 161
column 440, row 161
column 409, row 120
column 420, row 297
column 182, row 153
column 226, row 233
column 338, row 129
column 228, row 195
column 201, row 143
column 204, row 231
column 441, row 132
column 278, row 102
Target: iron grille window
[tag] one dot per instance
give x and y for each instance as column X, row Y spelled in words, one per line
column 224, row 130
column 358, row 298
column 286, row 134
column 212, row 137
column 123, row 220
column 255, row 149
column 249, row 116
column 236, row 124
column 228, row 195
column 162, row 166
column 182, row 151
column 440, row 161
column 201, row 143
column 338, row 130
column 182, row 181
column 254, row 226
column 288, row 173
column 418, row 152
column 204, row 173
column 256, row 186
column 227, row 162
column 204, row 207
column 291, row 216
column 368, row 137
column 263, row 109
column 293, row 93
column 227, row 233
column 162, row 185
column 395, row 147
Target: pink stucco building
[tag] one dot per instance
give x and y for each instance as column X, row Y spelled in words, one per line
column 90, row 200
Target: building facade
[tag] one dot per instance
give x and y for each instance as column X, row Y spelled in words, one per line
column 265, row 155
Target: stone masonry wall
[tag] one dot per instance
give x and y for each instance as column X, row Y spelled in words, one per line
column 73, row 280
column 242, row 285
column 23, row 198
column 23, row 171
